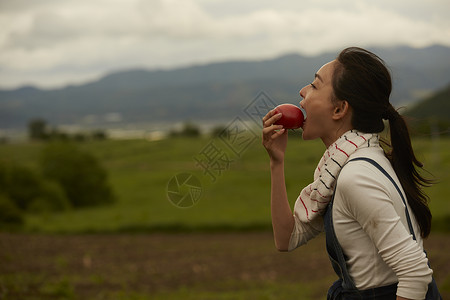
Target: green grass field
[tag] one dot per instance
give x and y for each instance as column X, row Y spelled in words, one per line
column 211, row 263
column 238, row 199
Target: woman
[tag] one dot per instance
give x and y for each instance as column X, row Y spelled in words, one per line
column 345, row 107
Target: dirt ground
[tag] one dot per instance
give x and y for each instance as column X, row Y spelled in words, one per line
column 86, row 266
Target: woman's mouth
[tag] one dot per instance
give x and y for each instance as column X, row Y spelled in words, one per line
column 305, row 117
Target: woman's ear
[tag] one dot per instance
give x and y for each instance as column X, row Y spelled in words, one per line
column 341, row 110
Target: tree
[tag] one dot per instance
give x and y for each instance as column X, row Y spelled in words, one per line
column 37, row 129
column 219, row 130
column 189, row 130
column 79, row 173
column 99, row 135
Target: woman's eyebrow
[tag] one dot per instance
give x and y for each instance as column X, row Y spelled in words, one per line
column 318, row 77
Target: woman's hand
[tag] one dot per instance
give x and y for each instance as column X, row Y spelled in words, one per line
column 274, row 137
column 275, row 141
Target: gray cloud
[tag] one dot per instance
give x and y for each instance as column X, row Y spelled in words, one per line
column 50, row 42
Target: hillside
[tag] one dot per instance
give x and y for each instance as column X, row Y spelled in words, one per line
column 436, row 106
column 217, row 91
column 432, row 114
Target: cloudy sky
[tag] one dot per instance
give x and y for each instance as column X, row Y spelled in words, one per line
column 50, row 43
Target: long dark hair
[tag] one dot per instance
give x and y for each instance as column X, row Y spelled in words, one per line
column 363, row 80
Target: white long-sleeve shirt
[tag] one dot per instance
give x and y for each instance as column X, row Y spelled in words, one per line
column 370, row 224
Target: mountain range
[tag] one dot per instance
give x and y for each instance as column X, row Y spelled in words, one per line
column 216, row 91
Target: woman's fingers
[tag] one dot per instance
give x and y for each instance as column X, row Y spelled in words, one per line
column 271, row 134
column 268, row 115
column 272, row 128
column 270, row 118
column 274, row 137
column 278, row 133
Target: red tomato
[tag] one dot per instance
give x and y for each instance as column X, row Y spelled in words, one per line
column 292, row 116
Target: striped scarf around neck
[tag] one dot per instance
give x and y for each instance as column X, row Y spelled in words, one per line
column 314, row 198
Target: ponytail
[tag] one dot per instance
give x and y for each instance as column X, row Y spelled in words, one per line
column 405, row 164
column 361, row 78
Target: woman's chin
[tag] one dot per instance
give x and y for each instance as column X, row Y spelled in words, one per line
column 305, row 135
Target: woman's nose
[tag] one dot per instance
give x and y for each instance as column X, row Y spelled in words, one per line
column 303, row 91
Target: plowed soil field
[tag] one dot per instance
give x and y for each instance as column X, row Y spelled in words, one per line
column 156, row 266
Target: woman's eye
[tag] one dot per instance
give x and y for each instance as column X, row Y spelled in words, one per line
column 313, row 86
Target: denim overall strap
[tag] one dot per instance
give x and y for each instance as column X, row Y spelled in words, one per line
column 345, row 288
column 408, row 218
column 433, row 291
column 335, row 252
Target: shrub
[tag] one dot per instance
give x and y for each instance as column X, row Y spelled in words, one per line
column 28, row 191
column 19, row 183
column 9, row 213
column 79, row 174
column 51, row 198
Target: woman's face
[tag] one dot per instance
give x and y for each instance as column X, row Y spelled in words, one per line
column 319, row 107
